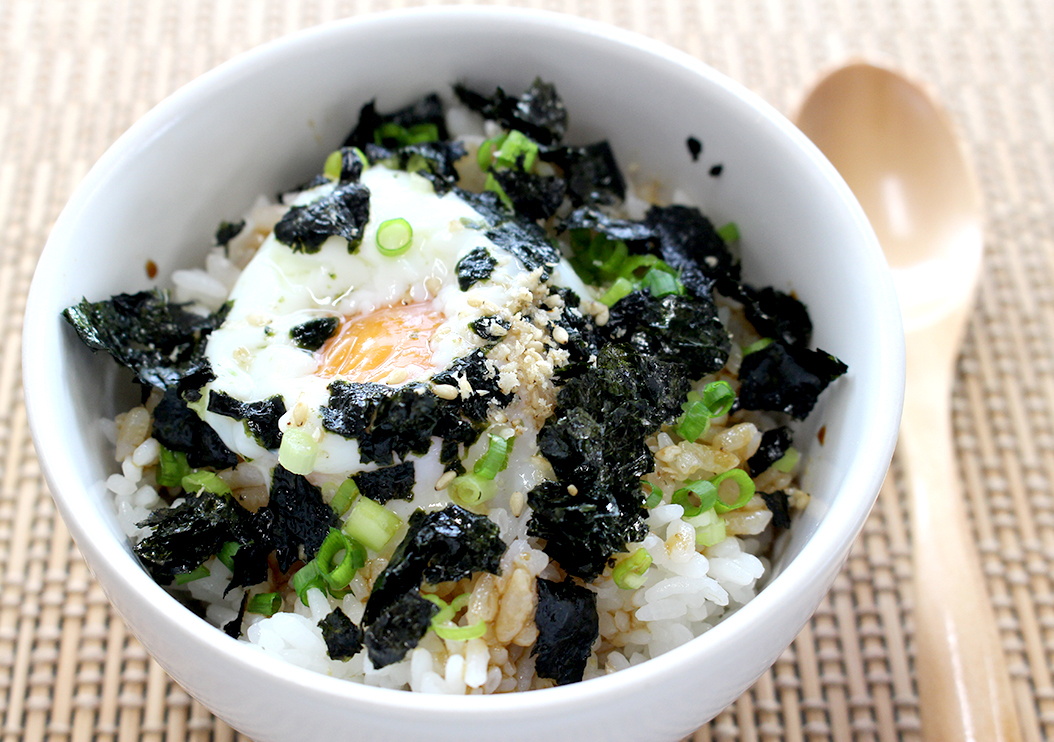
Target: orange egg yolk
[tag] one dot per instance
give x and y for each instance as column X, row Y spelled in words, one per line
column 390, row 345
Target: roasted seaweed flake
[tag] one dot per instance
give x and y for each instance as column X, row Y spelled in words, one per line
column 302, row 519
column 490, row 328
column 227, row 231
column 592, row 175
column 233, row 628
column 695, row 148
column 528, row 242
column 182, row 537
column 780, row 378
column 476, row 266
column 343, row 638
column 398, row 628
column 624, row 230
column 439, row 546
column 568, row 625
column 314, row 333
column 343, row 212
column 532, row 196
column 351, row 166
column 388, row 483
column 410, row 123
column 775, row 314
column 432, row 160
column 779, row 504
column 178, row 428
column 481, row 378
column 488, row 204
column 155, row 338
column 386, row 421
column 774, row 444
column 260, row 418
column 538, row 112
column 690, row 244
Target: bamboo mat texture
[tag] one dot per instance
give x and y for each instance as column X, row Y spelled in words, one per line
column 74, row 74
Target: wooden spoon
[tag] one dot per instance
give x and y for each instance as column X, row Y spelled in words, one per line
column 897, row 151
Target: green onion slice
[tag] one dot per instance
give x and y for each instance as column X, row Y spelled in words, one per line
column 338, row 574
column 756, row 346
column 172, row 468
column 718, row 396
column 628, row 573
column 195, row 574
column 654, row 496
column 461, row 633
column 298, row 451
column 334, row 164
column 468, row 490
column 729, row 232
column 226, row 555
column 266, row 604
column 746, row 489
column 695, row 422
column 496, row 458
column 618, row 290
column 394, row 237
column 704, row 489
column 345, row 496
column 709, row 528
column 634, row 263
column 661, row 283
column 196, row 481
column 515, row 146
column 371, row 524
column 308, row 577
column 788, row 461
column 442, row 621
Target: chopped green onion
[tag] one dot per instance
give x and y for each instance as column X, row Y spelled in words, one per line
column 628, row 573
column 346, row 494
column 788, row 461
column 756, row 346
column 495, row 459
column 612, row 263
column 266, row 604
column 709, row 528
column 515, row 146
column 746, row 489
column 339, row 575
column 371, row 524
column 333, row 166
column 446, row 611
column 173, row 467
column 704, row 489
column 195, row 574
column 460, row 633
column 307, row 577
column 196, row 481
column 718, row 396
column 729, row 232
column 654, row 495
column 394, row 237
column 661, row 283
column 471, row 489
column 491, row 184
column 426, row 132
column 486, row 151
column 634, row 263
column 695, row 422
column 298, row 451
column 461, row 601
column 618, row 290
column 226, row 555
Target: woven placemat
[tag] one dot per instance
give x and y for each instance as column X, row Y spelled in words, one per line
column 74, row 74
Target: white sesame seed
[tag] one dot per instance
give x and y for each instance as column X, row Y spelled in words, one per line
column 445, row 391
column 572, row 490
column 516, row 502
column 560, row 335
column 444, row 480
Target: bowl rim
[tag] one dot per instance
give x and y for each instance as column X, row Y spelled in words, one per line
column 110, row 560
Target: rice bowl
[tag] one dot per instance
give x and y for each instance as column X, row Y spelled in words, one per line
column 824, row 510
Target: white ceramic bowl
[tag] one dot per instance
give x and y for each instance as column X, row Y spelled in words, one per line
column 263, row 122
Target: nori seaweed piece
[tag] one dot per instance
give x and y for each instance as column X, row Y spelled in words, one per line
column 776, row 314
column 398, row 628
column 439, row 546
column 314, row 333
column 716, row 170
column 538, row 112
column 155, row 338
column 690, row 244
column 484, row 325
column 431, row 160
column 178, row 428
column 476, row 266
column 483, row 380
column 233, row 628
column 343, row 638
column 781, row 378
column 255, row 538
column 532, row 196
column 388, row 483
column 351, row 165
column 185, row 535
column 695, row 148
column 227, row 231
column 385, row 421
column 631, row 232
column 592, row 174
column 488, row 204
column 675, row 328
column 343, row 212
column 528, row 242
column 301, row 517
column 779, row 503
column 568, row 625
column 427, row 110
column 774, row 444
column 260, row 418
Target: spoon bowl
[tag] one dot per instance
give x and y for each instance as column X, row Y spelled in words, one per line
column 899, row 154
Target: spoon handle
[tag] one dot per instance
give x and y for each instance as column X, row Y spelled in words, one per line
column 963, row 684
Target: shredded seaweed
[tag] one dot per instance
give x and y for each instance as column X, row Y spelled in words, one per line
column 690, row 244
column 476, row 266
column 183, row 536
column 538, row 112
column 528, row 242
column 314, row 333
column 398, row 628
column 397, row 128
column 227, row 231
column 302, row 519
column 343, row 212
column 776, row 314
column 343, row 638
column 568, row 625
column 593, row 176
column 779, row 504
column 439, row 546
column 490, row 328
column 388, row 483
column 774, row 444
column 260, row 418
column 233, row 628
column 145, row 332
column 178, row 428
column 533, row 196
column 431, row 160
column 781, row 378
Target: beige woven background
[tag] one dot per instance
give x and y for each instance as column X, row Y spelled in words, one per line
column 74, row 74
